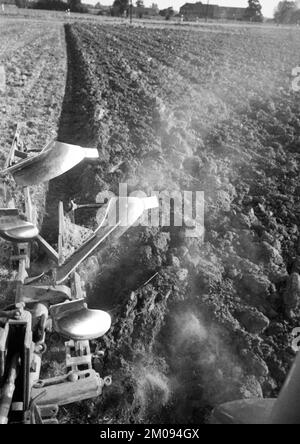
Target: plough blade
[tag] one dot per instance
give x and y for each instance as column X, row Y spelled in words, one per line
column 114, row 225
column 44, row 294
column 246, row 411
column 74, row 320
column 56, row 159
column 73, row 262
column 284, row 410
column 15, row 229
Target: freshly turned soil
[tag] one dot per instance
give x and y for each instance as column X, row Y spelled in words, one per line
column 208, row 111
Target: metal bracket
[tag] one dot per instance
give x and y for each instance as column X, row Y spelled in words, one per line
column 78, row 355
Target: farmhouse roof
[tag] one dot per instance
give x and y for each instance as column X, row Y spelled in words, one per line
column 212, row 6
column 198, row 4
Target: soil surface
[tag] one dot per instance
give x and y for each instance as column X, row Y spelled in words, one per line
column 195, row 323
column 208, row 111
column 33, row 55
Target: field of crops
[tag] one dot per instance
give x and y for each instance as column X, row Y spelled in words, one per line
column 207, row 110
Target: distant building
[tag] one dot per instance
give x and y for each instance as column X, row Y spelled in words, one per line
column 101, row 10
column 230, row 13
column 193, row 11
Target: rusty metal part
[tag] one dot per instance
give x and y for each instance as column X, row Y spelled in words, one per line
column 8, row 390
column 44, row 293
column 56, row 159
column 35, row 370
column 22, row 272
column 61, row 232
column 11, row 314
column 78, row 356
column 41, row 414
column 32, row 279
column 51, row 253
column 40, row 313
column 71, row 377
column 16, row 143
column 87, row 385
column 73, row 206
column 107, row 381
column 3, row 349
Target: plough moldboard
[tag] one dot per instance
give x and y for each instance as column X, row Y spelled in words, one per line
column 57, row 303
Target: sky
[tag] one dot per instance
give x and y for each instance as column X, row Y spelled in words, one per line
column 268, row 5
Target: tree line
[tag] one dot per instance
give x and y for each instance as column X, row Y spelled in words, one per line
column 287, row 13
column 252, row 14
column 57, row 5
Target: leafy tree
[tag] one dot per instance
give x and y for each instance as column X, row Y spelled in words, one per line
column 140, row 8
column 253, row 12
column 50, row 5
column 167, row 13
column 286, row 12
column 119, row 7
column 76, row 6
column 21, row 3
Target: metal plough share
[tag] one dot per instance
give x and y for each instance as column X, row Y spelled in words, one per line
column 54, row 160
